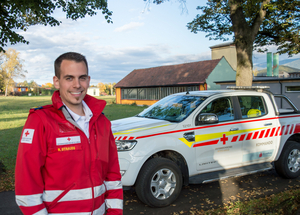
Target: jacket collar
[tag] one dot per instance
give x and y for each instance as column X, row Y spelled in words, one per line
column 96, row 105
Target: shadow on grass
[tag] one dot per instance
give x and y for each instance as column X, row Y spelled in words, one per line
column 13, row 119
column 9, row 142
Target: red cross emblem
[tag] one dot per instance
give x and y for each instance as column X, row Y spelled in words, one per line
column 224, row 139
column 27, row 133
column 69, row 139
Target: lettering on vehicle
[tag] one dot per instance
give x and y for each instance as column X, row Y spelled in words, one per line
column 223, row 149
column 257, row 155
column 265, row 143
column 207, row 163
column 187, row 125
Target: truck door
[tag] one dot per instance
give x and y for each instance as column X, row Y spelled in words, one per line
column 257, row 130
column 213, row 142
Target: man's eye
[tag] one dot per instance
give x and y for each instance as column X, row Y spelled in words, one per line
column 68, row 79
column 83, row 78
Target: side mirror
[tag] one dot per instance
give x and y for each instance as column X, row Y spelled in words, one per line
column 207, row 118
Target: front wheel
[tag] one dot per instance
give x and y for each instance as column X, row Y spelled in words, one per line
column 288, row 164
column 159, row 182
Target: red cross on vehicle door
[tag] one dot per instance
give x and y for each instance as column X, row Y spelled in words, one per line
column 213, row 142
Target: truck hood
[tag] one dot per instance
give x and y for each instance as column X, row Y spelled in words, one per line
column 136, row 124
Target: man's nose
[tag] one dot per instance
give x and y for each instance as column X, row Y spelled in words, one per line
column 76, row 83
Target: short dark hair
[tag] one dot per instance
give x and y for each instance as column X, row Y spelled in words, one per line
column 69, row 56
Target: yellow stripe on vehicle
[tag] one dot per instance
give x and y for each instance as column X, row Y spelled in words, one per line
column 211, row 136
column 138, row 129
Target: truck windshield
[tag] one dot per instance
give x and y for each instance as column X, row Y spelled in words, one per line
column 174, row 108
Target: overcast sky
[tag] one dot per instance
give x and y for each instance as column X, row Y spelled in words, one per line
column 141, row 36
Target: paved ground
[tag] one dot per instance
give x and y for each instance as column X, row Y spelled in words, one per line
column 193, row 197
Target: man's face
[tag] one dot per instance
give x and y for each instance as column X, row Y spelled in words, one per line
column 72, row 83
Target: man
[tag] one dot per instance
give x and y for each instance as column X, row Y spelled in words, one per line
column 67, row 158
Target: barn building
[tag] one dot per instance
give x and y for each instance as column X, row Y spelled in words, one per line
column 147, row 86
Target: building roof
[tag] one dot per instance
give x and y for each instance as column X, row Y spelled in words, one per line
column 181, row 74
column 222, row 45
column 263, row 79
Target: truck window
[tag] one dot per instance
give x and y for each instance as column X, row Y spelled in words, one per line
column 174, row 108
column 252, row 106
column 222, row 107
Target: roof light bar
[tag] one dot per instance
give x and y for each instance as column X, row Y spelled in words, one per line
column 257, row 88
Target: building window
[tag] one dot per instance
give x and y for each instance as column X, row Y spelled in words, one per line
column 293, row 89
column 155, row 93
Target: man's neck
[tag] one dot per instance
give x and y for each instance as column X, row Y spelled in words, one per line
column 78, row 109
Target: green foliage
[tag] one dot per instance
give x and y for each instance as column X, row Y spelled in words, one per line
column 20, row 14
column 11, row 67
column 279, row 26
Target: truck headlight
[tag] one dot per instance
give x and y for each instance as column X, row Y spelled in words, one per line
column 125, row 145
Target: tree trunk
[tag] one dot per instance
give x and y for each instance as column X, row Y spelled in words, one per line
column 6, row 88
column 244, row 74
column 244, row 38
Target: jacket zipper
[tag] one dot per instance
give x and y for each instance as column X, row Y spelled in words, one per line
column 93, row 194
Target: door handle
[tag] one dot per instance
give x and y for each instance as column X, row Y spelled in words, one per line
column 234, row 129
column 268, row 124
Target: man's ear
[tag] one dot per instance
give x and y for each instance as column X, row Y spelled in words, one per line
column 56, row 82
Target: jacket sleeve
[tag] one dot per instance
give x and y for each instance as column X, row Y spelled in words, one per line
column 29, row 185
column 114, row 190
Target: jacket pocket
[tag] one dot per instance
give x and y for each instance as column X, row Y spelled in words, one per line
column 54, row 202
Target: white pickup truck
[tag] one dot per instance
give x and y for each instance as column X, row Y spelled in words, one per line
column 202, row 136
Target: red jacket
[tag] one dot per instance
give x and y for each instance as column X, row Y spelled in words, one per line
column 59, row 170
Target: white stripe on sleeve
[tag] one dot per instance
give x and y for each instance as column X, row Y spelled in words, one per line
column 113, row 185
column 114, row 203
column 29, row 200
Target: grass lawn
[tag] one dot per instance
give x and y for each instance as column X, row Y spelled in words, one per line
column 13, row 114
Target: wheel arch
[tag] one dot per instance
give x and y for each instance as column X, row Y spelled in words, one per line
column 176, row 158
column 294, row 137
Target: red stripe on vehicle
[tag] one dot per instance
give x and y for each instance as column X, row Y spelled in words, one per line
column 277, row 131
column 213, row 142
column 273, row 131
column 255, row 135
column 234, row 139
column 249, row 136
column 292, row 127
column 131, row 138
column 213, row 126
column 120, row 138
column 242, row 137
column 116, row 138
column 124, row 138
column 267, row 133
column 261, row 134
column 297, row 128
column 287, row 129
column 282, row 129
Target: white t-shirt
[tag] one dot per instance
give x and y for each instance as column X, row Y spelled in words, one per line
column 82, row 121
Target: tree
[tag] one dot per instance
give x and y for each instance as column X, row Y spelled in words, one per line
column 11, row 67
column 102, row 87
column 23, row 84
column 20, row 14
column 255, row 24
column 48, row 85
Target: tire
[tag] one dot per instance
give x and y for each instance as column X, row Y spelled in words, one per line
column 288, row 164
column 159, row 182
